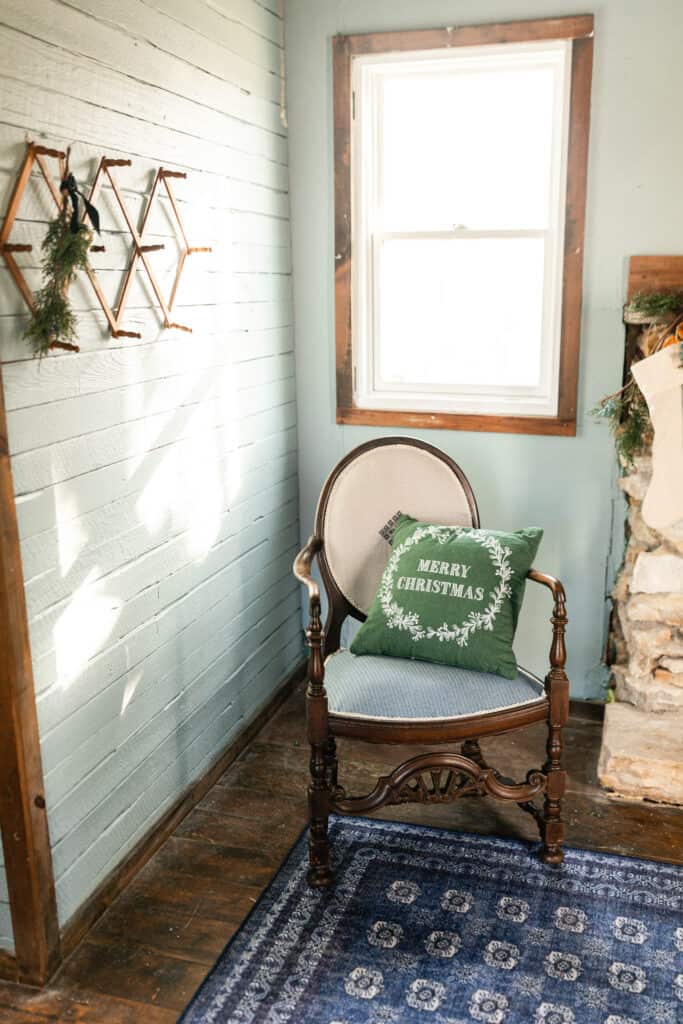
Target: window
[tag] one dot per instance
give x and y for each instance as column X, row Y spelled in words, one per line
column 460, row 184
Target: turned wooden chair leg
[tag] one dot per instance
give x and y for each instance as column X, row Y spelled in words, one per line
column 319, row 790
column 552, row 825
column 319, row 873
column 331, row 763
column 557, row 689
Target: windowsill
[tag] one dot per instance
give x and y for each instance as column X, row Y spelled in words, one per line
column 552, row 425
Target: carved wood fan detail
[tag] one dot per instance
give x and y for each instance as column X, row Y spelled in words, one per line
column 440, row 778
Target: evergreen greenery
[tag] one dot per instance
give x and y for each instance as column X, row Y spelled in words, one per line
column 656, row 303
column 626, row 411
column 628, row 417
column 53, row 324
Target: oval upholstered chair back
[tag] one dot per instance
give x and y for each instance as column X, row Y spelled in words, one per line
column 361, row 496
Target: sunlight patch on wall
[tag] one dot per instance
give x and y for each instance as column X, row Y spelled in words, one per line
column 204, row 496
column 189, row 492
column 155, row 429
column 71, row 535
column 232, row 414
column 82, row 630
column 129, row 691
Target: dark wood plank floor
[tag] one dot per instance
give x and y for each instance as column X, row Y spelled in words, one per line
column 146, row 956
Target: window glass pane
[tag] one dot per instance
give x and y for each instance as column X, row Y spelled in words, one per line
column 460, row 313
column 468, row 148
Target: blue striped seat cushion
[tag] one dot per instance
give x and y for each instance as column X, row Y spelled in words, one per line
column 371, row 686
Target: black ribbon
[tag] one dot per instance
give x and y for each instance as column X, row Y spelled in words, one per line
column 70, row 186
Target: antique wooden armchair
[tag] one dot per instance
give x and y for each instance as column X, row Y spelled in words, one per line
column 383, row 700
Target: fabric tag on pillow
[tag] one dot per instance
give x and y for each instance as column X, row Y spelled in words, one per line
column 387, row 530
column 450, row 594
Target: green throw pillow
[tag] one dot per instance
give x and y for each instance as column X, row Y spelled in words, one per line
column 450, row 594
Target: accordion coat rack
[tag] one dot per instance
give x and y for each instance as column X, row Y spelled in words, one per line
column 44, row 160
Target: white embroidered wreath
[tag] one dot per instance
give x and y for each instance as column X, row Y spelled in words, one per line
column 398, row 618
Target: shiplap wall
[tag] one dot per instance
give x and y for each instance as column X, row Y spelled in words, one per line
column 155, row 479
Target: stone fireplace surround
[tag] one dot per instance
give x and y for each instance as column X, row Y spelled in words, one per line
column 642, row 746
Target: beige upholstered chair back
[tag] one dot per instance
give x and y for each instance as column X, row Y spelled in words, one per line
column 365, row 490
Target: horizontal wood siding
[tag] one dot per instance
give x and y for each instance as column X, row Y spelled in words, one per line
column 155, row 478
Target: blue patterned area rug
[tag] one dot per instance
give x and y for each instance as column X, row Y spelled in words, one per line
column 431, row 927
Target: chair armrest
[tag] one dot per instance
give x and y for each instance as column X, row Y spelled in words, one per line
column 551, row 582
column 556, row 682
column 315, row 638
column 558, row 651
column 302, row 569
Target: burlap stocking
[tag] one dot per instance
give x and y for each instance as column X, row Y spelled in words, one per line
column 660, row 378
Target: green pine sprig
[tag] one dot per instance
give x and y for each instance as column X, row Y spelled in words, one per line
column 53, row 324
column 626, row 411
column 628, row 417
column 656, row 304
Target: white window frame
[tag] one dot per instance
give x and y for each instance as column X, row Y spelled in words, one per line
column 368, row 72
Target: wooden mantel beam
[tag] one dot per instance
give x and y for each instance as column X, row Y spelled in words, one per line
column 654, row 274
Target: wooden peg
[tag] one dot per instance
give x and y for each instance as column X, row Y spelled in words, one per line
column 44, row 151
column 125, row 334
column 66, row 345
column 16, row 247
column 150, row 248
column 163, row 173
column 180, row 327
column 199, row 248
column 110, row 162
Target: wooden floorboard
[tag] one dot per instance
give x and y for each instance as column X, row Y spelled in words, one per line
column 147, row 954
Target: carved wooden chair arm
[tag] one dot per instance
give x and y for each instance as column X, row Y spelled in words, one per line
column 302, row 569
column 551, row 582
column 556, row 682
column 317, row 712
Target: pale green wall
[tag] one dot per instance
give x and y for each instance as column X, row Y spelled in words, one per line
column 635, row 205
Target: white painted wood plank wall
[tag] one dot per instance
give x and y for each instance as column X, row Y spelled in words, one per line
column 155, row 479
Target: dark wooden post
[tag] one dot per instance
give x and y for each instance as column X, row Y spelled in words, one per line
column 25, row 839
column 557, row 688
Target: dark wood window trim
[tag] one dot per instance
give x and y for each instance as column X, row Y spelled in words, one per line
column 579, row 30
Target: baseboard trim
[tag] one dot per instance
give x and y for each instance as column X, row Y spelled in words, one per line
column 82, row 921
column 591, row 710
